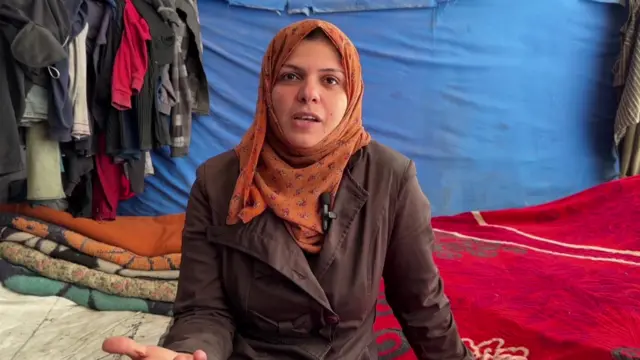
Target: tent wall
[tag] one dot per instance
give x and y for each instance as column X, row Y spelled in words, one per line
column 499, row 103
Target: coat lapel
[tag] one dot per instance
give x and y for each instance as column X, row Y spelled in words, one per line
column 349, row 201
column 266, row 239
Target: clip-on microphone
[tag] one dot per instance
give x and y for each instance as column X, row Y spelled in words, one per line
column 327, row 214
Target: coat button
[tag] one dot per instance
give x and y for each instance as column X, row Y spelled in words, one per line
column 332, row 319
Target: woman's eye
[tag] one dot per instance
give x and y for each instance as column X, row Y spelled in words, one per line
column 289, row 76
column 331, row 81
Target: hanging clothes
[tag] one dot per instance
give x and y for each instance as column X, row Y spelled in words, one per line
column 186, row 39
column 150, row 122
column 27, row 42
column 43, row 165
column 198, row 84
column 102, row 110
column 61, row 110
column 627, row 80
column 78, row 84
column 91, row 88
column 130, row 65
column 178, row 76
column 110, row 185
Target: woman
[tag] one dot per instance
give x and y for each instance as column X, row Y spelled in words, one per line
column 287, row 237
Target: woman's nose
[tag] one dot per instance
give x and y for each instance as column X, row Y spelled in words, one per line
column 309, row 92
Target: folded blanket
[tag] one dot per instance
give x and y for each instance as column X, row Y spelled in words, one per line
column 143, row 235
column 159, row 290
column 89, row 246
column 59, row 251
column 24, row 281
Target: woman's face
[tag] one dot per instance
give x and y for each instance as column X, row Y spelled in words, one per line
column 309, row 97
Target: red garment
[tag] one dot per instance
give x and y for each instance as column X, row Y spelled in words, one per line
column 131, row 60
column 110, row 184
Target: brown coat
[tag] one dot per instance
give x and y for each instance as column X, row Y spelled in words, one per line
column 247, row 291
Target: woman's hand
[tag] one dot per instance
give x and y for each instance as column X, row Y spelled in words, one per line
column 122, row 345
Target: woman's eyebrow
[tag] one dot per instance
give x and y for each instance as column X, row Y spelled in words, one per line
column 301, row 70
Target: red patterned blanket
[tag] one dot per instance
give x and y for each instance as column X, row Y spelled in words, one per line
column 560, row 281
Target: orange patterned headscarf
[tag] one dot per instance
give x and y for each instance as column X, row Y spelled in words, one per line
column 272, row 175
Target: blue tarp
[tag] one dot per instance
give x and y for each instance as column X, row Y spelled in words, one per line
column 500, row 103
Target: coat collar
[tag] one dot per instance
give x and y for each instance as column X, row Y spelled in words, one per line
column 266, row 239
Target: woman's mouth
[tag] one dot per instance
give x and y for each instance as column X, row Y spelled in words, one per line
column 306, row 116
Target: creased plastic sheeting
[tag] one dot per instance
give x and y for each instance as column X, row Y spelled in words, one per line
column 275, row 5
column 332, row 6
column 499, row 103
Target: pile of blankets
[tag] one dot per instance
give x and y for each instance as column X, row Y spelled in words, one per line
column 130, row 264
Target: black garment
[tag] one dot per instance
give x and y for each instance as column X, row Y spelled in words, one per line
column 126, row 144
column 12, row 100
column 110, row 119
column 48, row 14
column 78, row 11
column 61, row 110
column 135, row 173
column 24, row 46
column 162, row 123
column 160, row 53
column 146, row 110
column 53, row 16
column 13, row 186
column 77, row 180
column 101, row 107
column 162, row 36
